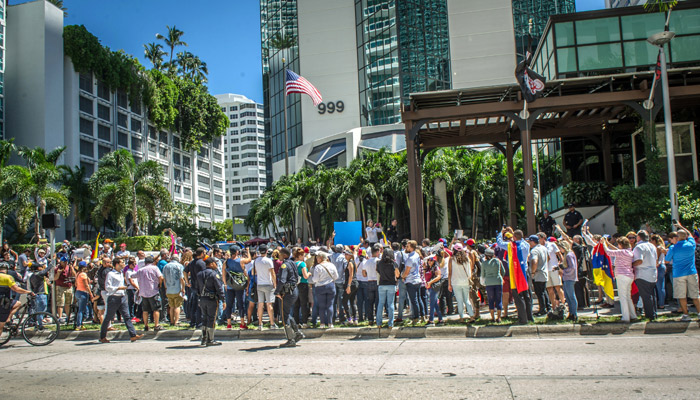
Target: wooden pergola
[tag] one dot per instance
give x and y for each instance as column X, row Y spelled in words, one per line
column 494, row 115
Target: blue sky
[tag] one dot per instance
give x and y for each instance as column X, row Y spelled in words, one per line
column 223, row 33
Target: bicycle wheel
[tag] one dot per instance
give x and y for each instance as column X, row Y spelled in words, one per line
column 9, row 330
column 40, row 329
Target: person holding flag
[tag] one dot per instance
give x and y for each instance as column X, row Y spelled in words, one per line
column 517, row 251
column 624, row 274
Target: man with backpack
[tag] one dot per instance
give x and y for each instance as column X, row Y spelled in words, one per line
column 286, row 290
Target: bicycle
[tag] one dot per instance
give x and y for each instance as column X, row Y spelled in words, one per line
column 37, row 329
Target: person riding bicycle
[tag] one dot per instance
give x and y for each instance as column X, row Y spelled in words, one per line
column 8, row 285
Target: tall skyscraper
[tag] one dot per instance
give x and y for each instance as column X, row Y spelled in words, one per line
column 537, row 11
column 244, row 153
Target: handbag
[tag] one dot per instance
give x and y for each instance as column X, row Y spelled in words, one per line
column 237, row 280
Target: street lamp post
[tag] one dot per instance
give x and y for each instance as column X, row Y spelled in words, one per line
column 660, row 40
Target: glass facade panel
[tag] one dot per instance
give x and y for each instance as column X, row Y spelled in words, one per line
column 640, row 53
column 566, row 59
column 565, row 34
column 603, row 56
column 597, row 30
column 685, row 21
column 685, row 48
column 641, row 26
column 537, row 11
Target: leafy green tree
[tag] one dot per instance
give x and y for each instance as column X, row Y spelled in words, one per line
column 660, row 5
column 74, row 182
column 123, row 188
column 6, row 189
column 199, row 117
column 172, row 40
column 154, row 53
column 192, row 67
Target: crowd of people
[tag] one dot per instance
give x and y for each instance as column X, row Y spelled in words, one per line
column 377, row 281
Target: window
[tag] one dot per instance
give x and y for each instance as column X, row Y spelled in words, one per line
column 178, row 189
column 203, row 195
column 250, row 196
column 235, row 165
column 261, row 123
column 218, row 212
column 249, row 188
column 136, row 108
column 85, row 82
column 136, row 144
column 249, row 180
column 102, row 151
column 261, row 147
column 205, row 210
column 248, row 130
column 218, row 184
column 216, row 156
column 233, row 116
column 152, row 132
column 261, row 130
column 231, row 125
column 244, row 123
column 187, row 191
column 216, row 170
column 203, row 180
column 163, row 152
column 260, row 107
column 234, row 141
column 177, row 174
column 218, row 199
column 89, row 168
column 122, row 139
column 122, row 120
column 87, row 148
column 86, row 126
column 236, row 190
column 249, row 147
column 122, row 99
column 176, row 158
column 204, row 152
column 176, row 142
column 104, row 133
column 103, row 112
column 236, row 198
column 135, row 125
column 186, row 161
column 102, row 91
column 236, row 181
column 233, row 108
column 249, row 163
column 163, row 137
column 234, row 124
column 203, row 165
column 235, row 156
column 249, row 155
column 85, row 105
column 151, row 148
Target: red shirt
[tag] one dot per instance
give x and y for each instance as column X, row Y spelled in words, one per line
column 62, row 274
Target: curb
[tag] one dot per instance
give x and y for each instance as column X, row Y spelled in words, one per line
column 441, row 332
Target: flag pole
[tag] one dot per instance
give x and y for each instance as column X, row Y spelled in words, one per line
column 286, row 135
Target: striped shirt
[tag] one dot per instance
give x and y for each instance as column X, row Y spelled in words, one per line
column 623, row 261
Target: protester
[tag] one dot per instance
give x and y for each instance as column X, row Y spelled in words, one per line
column 116, row 302
column 460, row 273
column 492, row 272
column 266, row 282
column 387, row 271
column 174, row 279
column 323, row 277
column 350, row 290
column 645, row 272
column 624, row 275
column 149, row 280
column 431, row 271
column 685, row 275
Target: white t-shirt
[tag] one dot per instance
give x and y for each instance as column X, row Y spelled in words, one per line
column 263, row 269
column 124, row 253
column 553, row 261
column 372, row 234
column 370, row 265
column 461, row 273
column 445, row 269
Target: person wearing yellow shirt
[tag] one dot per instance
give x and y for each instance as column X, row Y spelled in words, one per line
column 7, row 285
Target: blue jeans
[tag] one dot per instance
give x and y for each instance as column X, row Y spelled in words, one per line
column 325, row 295
column 412, row 290
column 41, row 302
column 495, row 294
column 661, row 286
column 82, row 298
column 570, row 295
column 372, row 300
column 361, row 299
column 234, row 298
column 434, row 309
column 338, row 301
column 386, row 300
column 423, row 301
column 314, row 309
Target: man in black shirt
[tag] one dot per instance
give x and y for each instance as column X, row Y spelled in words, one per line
column 392, row 233
column 547, row 223
column 286, row 290
column 211, row 290
column 573, row 221
column 191, row 270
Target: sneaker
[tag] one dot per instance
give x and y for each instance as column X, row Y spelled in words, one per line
column 260, row 327
column 431, row 323
column 213, row 343
column 243, row 326
column 299, row 336
column 228, row 326
column 273, row 326
column 685, row 318
column 289, row 343
column 158, row 328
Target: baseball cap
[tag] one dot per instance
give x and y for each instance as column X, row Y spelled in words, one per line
column 148, row 260
column 211, row 260
column 108, row 241
column 458, row 247
column 82, row 264
column 551, row 239
column 306, row 250
column 122, row 245
column 533, row 238
column 509, row 235
column 470, row 242
column 489, row 252
column 348, row 252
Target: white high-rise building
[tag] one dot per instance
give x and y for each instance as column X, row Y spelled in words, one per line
column 244, row 153
column 53, row 105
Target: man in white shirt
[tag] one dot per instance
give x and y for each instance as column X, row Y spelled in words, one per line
column 369, row 271
column 372, row 230
column 267, row 281
column 123, row 252
column 115, row 289
column 645, row 272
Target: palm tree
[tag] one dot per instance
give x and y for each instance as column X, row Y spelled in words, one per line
column 6, row 191
column 192, row 67
column 75, row 183
column 172, row 40
column 661, row 5
column 59, row 4
column 124, row 188
column 154, row 53
column 282, row 42
column 39, row 182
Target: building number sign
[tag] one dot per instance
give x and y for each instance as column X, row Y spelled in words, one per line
column 331, row 107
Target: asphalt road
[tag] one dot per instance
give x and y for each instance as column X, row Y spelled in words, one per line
column 610, row 367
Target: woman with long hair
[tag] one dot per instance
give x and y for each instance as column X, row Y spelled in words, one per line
column 431, row 271
column 569, row 277
column 624, row 275
column 459, row 270
column 657, row 241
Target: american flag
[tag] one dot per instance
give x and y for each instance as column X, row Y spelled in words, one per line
column 297, row 84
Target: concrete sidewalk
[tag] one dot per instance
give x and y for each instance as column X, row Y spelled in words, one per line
column 440, row 332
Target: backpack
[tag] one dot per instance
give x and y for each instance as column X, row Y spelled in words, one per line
column 102, row 277
column 235, row 280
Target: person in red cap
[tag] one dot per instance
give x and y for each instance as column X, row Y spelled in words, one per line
column 123, row 252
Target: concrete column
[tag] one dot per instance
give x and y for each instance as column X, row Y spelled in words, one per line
column 441, row 198
column 351, row 211
column 415, row 190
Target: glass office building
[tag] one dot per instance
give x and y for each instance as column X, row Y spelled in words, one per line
column 537, row 11
column 279, row 17
column 2, row 69
column 402, row 48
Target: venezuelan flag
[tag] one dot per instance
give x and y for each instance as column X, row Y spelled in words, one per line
column 97, row 245
column 602, row 270
column 516, row 267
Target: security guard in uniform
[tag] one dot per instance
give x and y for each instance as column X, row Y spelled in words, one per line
column 287, row 291
column 211, row 292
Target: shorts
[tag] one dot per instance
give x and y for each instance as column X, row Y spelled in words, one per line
column 175, row 300
column 64, row 296
column 5, row 312
column 686, row 287
column 151, row 304
column 553, row 279
column 266, row 294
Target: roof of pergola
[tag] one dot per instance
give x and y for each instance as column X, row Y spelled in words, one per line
column 569, row 107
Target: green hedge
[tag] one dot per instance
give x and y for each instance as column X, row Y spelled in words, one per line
column 146, row 243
